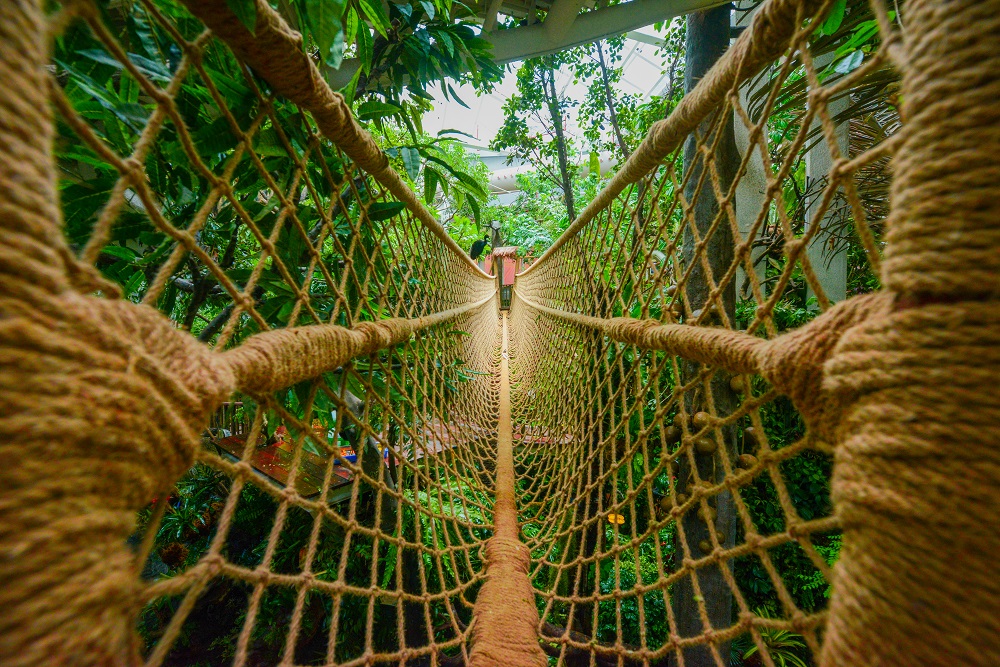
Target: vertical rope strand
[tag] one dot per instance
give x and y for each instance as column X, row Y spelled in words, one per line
column 505, row 616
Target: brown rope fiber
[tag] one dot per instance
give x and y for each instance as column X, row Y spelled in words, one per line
column 582, row 479
column 793, row 362
column 506, row 630
column 917, row 480
column 273, row 360
column 108, row 391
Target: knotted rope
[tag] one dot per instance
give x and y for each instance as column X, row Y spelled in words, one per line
column 275, row 51
column 116, row 397
column 108, row 393
column 903, row 382
column 792, row 362
column 113, row 398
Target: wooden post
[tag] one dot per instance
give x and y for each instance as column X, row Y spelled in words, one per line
column 707, row 39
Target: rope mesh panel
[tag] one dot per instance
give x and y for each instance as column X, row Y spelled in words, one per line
column 649, row 484
column 420, row 416
column 619, row 421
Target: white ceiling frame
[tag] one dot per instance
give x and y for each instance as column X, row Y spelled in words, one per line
column 536, row 40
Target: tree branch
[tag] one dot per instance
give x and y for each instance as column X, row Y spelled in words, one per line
column 609, row 99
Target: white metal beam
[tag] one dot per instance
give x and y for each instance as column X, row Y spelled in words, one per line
column 534, row 40
column 560, row 17
column 643, row 38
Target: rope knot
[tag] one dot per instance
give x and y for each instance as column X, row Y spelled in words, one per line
column 794, row 362
column 503, row 551
column 117, row 398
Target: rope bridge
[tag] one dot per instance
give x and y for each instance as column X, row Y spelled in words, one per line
column 568, row 481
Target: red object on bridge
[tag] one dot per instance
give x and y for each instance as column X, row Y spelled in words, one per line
column 507, row 257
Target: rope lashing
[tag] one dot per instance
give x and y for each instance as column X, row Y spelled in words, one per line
column 506, row 633
column 916, row 480
column 917, row 448
column 79, row 397
column 127, row 396
column 103, row 402
column 506, row 618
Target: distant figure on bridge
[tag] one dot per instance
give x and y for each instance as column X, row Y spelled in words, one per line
column 478, row 247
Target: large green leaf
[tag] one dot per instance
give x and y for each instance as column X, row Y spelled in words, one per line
column 373, row 109
column 431, row 179
column 373, row 12
column 411, row 161
column 466, row 180
column 327, row 30
column 834, row 18
column 384, row 210
column 246, row 12
column 451, row 91
column 365, row 44
column 351, row 22
column 476, row 213
column 151, row 69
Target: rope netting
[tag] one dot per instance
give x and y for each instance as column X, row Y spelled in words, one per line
column 396, row 472
column 360, row 430
column 646, row 497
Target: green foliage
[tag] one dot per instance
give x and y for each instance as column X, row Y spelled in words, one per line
column 785, row 648
column 399, row 49
column 600, row 110
column 534, row 128
column 452, row 181
column 211, row 631
column 117, row 107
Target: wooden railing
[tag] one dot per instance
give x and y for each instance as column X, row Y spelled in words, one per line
column 231, row 417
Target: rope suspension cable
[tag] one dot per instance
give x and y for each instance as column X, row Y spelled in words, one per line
column 527, row 482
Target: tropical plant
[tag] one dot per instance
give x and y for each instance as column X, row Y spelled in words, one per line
column 601, row 107
column 534, row 128
column 394, row 51
column 785, row 648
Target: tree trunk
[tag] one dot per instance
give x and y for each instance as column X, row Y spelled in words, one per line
column 610, row 101
column 552, row 101
column 707, row 39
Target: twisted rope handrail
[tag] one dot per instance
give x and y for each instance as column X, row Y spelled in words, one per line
column 902, row 382
column 275, row 51
column 793, row 362
column 890, row 378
